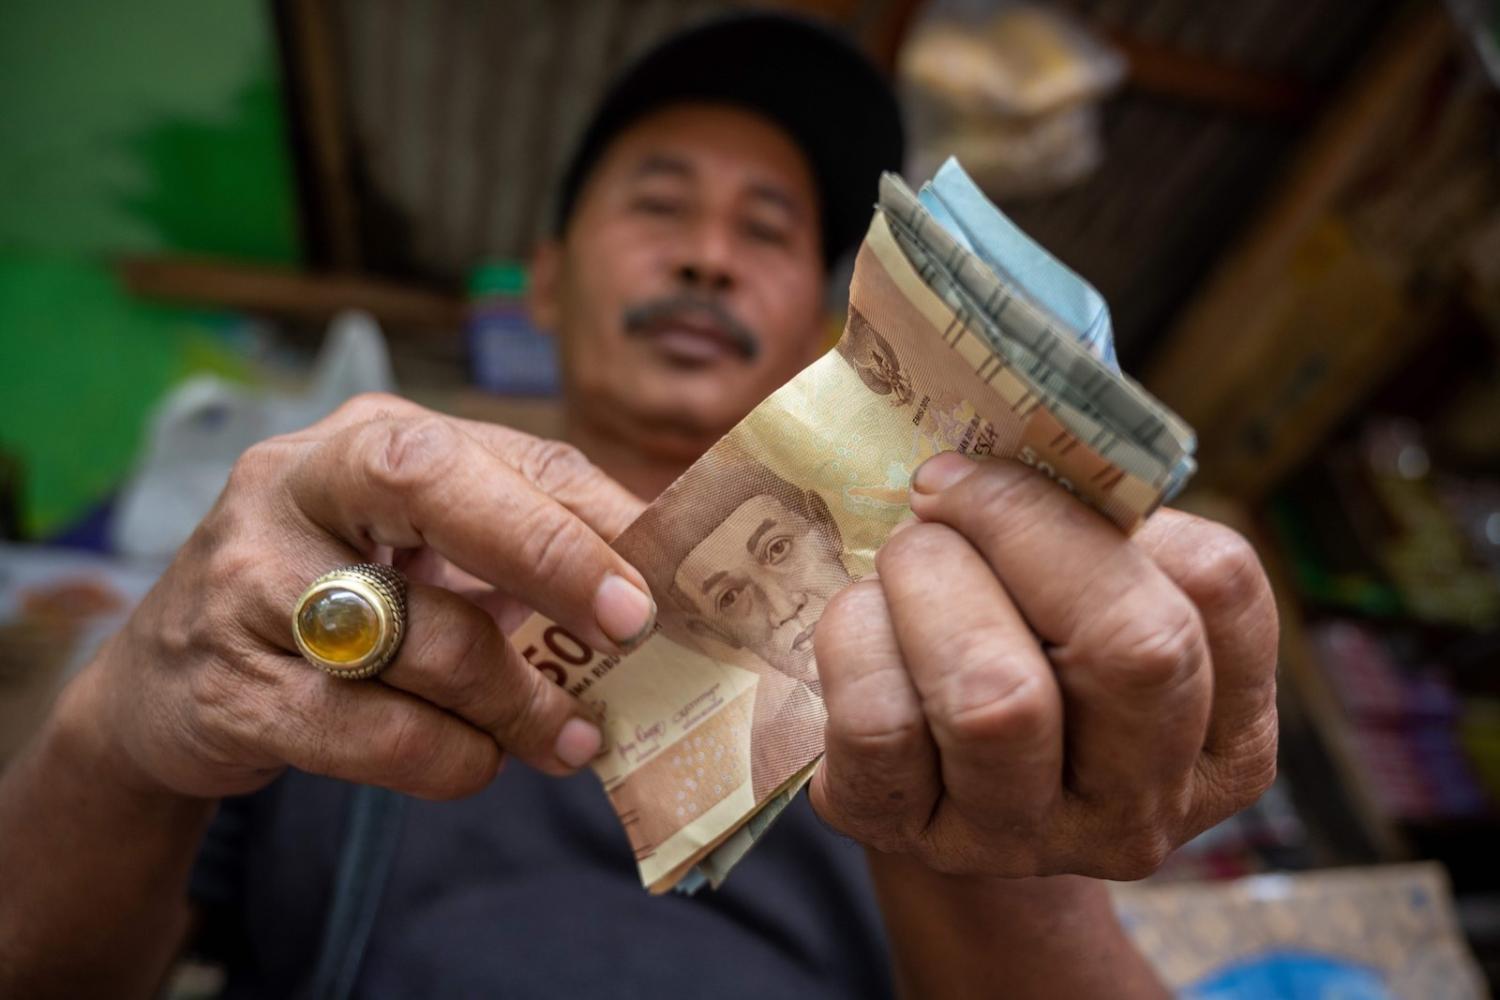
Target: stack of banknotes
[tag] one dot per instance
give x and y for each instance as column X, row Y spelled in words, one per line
column 963, row 335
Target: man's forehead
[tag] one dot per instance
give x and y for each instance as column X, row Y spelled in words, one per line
column 732, row 541
column 721, row 141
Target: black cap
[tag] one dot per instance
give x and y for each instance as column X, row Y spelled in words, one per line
column 836, row 105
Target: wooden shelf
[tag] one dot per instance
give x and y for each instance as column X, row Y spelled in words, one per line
column 313, row 298
column 1163, row 71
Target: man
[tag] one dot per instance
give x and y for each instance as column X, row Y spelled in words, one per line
column 699, row 218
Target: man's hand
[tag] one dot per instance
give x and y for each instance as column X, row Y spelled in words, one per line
column 203, row 693
column 1022, row 690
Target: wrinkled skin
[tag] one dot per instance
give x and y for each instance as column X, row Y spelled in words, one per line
column 1057, row 698
column 205, row 692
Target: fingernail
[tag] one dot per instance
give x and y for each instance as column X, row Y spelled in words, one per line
column 903, row 524
column 578, row 742
column 624, row 611
column 940, row 472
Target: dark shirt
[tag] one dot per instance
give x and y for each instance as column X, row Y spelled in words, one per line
column 528, row 890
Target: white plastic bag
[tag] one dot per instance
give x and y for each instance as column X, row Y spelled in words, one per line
column 204, row 424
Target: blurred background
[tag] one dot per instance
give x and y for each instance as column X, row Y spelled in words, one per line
column 1292, row 206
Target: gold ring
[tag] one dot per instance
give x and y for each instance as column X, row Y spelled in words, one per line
column 350, row 622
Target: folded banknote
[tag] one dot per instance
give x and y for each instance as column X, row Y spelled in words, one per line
column 962, row 335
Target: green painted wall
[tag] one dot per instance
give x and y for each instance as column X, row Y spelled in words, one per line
column 142, row 126
column 152, row 126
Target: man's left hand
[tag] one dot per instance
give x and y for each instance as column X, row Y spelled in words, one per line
column 1022, row 690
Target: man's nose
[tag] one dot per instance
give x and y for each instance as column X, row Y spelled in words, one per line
column 782, row 605
column 707, row 262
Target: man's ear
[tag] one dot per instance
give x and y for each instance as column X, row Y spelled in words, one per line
column 543, row 294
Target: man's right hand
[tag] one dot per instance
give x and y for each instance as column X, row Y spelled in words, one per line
column 203, row 692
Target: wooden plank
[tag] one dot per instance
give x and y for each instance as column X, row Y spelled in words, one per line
column 1342, row 323
column 1163, row 71
column 315, row 95
column 290, row 294
column 1228, row 333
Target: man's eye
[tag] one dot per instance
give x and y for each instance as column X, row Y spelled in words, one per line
column 763, row 232
column 728, row 599
column 652, row 205
column 778, row 548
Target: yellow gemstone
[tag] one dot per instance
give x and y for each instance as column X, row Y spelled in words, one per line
column 339, row 626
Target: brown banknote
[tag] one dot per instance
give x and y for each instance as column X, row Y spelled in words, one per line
column 719, row 715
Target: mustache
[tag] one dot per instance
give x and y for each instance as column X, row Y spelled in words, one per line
column 643, row 318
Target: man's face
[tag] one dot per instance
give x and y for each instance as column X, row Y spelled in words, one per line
column 689, row 283
column 763, row 578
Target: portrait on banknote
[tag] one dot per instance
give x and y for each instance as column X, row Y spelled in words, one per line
column 749, row 563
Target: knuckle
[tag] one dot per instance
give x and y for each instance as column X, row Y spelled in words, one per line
column 178, row 638
column 1004, row 496
column 1246, row 771
column 841, row 608
column 517, row 717
column 847, row 619
column 880, row 835
column 882, row 737
column 553, row 542
column 411, row 452
column 958, row 865
column 222, row 711
column 866, row 819
column 202, row 623
column 257, row 466
column 989, row 689
column 984, row 704
column 918, row 545
column 288, row 720
column 1162, row 657
column 470, row 666
column 453, row 654
column 413, row 757
column 975, row 652
column 367, row 406
column 1014, row 854
column 1139, row 855
column 472, row 776
column 552, row 466
column 1149, row 656
column 1253, row 781
column 469, row 769
column 1020, row 714
column 529, row 714
column 1259, row 780
column 211, row 695
column 228, row 565
column 1227, row 575
column 321, row 754
column 234, row 588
